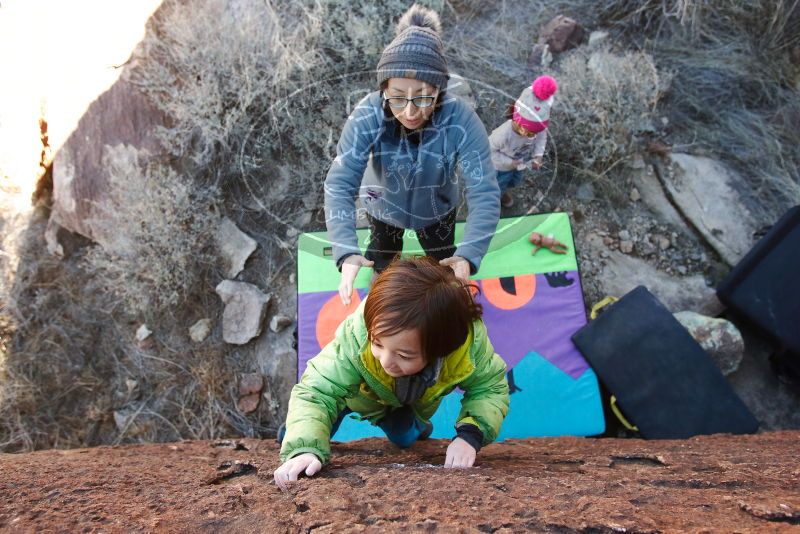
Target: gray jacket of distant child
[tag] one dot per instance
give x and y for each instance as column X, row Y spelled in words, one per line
column 508, row 147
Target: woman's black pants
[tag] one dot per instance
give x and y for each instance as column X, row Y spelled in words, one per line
column 386, row 241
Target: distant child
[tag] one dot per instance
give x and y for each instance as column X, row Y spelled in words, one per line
column 519, row 142
column 416, row 336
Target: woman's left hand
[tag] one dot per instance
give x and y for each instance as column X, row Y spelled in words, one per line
column 459, row 454
column 459, row 265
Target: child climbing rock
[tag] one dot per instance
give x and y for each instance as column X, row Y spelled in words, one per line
column 416, row 336
column 519, row 142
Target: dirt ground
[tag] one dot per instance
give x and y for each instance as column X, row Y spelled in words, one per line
column 706, row 484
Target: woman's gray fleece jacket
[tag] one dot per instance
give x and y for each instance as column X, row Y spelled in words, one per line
column 409, row 185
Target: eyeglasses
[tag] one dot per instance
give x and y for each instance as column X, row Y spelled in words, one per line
column 400, row 102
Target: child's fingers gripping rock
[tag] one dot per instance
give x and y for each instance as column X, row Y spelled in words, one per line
column 291, row 469
column 460, row 454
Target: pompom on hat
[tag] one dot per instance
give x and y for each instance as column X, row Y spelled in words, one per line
column 532, row 108
column 417, row 50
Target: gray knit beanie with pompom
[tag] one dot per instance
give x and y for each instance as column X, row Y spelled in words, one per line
column 417, row 50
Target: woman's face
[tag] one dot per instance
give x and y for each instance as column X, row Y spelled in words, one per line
column 410, row 116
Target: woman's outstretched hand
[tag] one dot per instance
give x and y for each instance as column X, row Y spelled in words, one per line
column 350, row 268
column 291, row 468
column 459, row 265
column 459, row 454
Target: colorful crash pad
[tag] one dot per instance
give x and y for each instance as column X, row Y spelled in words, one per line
column 532, row 305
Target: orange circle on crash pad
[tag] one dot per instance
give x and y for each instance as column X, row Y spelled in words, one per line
column 525, row 285
column 331, row 315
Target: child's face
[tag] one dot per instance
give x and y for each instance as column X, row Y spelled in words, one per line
column 520, row 130
column 400, row 354
column 410, row 116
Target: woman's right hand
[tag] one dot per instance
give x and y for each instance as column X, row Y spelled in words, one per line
column 292, row 467
column 350, row 268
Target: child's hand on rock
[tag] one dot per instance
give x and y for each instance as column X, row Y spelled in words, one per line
column 536, row 163
column 289, row 471
column 459, row 454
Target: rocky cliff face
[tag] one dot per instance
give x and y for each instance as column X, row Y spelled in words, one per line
column 707, row 484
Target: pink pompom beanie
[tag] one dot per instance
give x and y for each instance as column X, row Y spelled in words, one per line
column 532, row 108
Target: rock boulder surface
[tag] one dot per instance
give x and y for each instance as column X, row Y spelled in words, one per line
column 235, row 247
column 706, row 192
column 245, row 308
column 623, row 273
column 719, row 338
column 81, row 189
column 561, row 33
column 707, row 484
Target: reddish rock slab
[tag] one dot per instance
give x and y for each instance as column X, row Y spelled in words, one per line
column 565, row 485
column 121, row 115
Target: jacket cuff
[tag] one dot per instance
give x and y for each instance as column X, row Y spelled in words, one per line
column 300, row 450
column 471, row 434
column 472, row 268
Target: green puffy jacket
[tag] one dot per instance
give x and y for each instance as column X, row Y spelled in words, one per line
column 346, row 374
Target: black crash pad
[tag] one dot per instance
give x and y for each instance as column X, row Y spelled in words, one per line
column 664, row 382
column 763, row 286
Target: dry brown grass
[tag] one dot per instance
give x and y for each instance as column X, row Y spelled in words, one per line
column 606, row 100
column 156, row 235
column 73, row 374
column 732, row 94
column 728, row 65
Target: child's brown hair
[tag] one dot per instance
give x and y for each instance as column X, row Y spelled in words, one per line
column 419, row 294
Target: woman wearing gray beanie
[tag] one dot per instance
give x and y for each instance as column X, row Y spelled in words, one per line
column 402, row 151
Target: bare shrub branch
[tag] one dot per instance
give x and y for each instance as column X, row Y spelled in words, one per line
column 157, row 235
column 604, row 100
